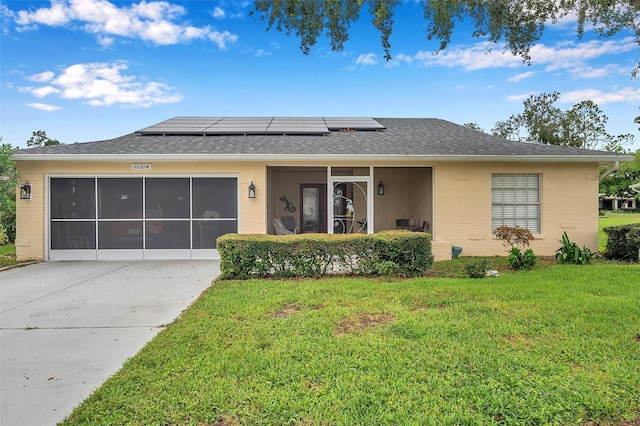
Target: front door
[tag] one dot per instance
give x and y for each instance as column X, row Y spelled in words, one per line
column 312, row 215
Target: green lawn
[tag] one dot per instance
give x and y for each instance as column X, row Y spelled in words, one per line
column 614, row 219
column 7, row 255
column 557, row 345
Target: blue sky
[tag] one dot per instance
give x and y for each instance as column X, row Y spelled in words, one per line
column 85, row 70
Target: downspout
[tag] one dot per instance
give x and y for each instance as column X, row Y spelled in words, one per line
column 615, row 167
column 606, row 173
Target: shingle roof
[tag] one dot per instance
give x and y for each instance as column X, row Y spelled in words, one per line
column 403, row 138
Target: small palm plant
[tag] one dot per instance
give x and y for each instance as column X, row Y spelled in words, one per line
column 570, row 252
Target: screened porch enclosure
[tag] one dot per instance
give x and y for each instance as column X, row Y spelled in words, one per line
column 140, row 217
column 341, row 199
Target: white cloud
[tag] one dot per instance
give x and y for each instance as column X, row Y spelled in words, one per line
column 218, row 12
column 222, row 39
column 587, row 72
column 566, row 55
column 470, row 58
column 152, row 21
column 42, row 77
column 570, row 55
column 101, row 84
column 43, row 107
column 57, row 15
column 520, row 76
column 519, row 98
column 262, row 52
column 44, row 91
column 367, row 59
column 105, row 41
column 627, row 94
column 399, row 59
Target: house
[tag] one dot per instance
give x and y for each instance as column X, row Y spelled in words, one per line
column 168, row 190
column 614, row 202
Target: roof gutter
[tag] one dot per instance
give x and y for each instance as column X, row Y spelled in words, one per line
column 603, row 159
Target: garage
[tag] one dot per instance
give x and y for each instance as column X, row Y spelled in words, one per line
column 153, row 217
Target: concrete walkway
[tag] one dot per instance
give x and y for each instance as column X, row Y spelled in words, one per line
column 65, row 327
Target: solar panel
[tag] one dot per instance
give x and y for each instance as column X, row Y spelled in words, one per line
column 258, row 125
column 355, row 123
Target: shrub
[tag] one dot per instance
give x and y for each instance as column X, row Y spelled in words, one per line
column 8, row 218
column 477, row 268
column 518, row 260
column 623, row 242
column 391, row 253
column 570, row 252
column 514, row 236
column 4, row 238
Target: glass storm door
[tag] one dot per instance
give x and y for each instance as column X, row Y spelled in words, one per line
column 312, row 216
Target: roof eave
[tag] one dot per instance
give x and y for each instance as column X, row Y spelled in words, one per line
column 573, row 158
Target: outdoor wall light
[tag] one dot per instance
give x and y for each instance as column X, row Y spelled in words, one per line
column 380, row 188
column 252, row 190
column 25, row 191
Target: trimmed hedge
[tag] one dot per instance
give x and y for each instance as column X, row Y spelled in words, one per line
column 389, row 253
column 623, row 242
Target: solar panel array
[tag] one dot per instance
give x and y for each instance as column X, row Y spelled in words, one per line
column 259, row 125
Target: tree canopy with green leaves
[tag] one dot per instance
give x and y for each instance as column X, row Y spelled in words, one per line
column 8, row 182
column 582, row 126
column 40, row 138
column 517, row 23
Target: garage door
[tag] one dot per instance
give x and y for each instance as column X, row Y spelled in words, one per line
column 141, row 217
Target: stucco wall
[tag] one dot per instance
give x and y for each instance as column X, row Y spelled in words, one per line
column 462, row 214
column 31, row 217
column 459, row 194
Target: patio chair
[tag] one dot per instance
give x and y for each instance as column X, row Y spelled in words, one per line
column 424, row 227
column 286, row 225
column 402, row 223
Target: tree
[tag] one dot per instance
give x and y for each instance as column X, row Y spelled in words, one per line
column 582, row 126
column 40, row 138
column 585, row 125
column 519, row 23
column 474, row 126
column 540, row 121
column 8, row 183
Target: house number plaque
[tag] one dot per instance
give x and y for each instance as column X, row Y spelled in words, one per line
column 141, row 167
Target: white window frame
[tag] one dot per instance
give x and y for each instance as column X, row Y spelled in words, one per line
column 515, row 201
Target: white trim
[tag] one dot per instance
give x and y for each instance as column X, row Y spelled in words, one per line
column 72, row 254
column 167, row 254
column 205, row 254
column 120, row 254
column 541, row 158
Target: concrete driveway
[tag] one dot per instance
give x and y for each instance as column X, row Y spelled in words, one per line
column 65, row 327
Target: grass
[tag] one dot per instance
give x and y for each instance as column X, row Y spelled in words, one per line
column 8, row 255
column 557, row 345
column 614, row 219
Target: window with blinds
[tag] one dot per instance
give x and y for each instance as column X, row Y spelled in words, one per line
column 515, row 201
